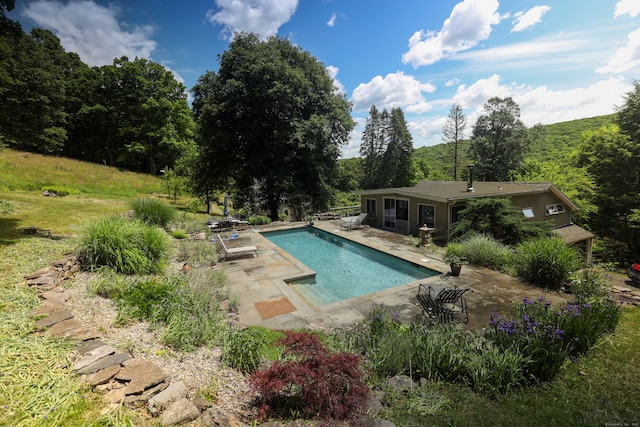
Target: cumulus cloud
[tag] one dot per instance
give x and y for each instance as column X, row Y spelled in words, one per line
column 393, row 90
column 92, row 31
column 626, row 57
column 469, row 23
column 262, row 17
column 524, row 20
column 623, row 7
column 333, row 73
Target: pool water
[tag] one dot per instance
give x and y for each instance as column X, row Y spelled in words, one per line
column 344, row 269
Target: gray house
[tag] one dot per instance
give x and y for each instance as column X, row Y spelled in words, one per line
column 437, row 204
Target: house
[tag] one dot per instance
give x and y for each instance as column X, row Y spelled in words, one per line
column 438, row 203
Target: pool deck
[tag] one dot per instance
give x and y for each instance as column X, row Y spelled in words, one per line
column 266, row 300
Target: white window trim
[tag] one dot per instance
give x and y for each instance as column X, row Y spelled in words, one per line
column 555, row 209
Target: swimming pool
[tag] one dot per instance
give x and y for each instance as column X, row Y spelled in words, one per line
column 344, row 269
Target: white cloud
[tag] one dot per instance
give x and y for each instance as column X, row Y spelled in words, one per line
column 475, row 95
column 92, row 31
column 524, row 20
column 393, row 90
column 334, row 17
column 469, row 23
column 452, row 82
column 625, row 58
column 262, row 17
column 632, row 7
column 333, row 73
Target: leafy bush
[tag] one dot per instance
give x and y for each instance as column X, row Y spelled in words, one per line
column 259, row 220
column 130, row 247
column 311, row 380
column 547, row 262
column 245, row 349
column 108, row 283
column 152, row 211
column 482, row 249
column 454, row 254
column 546, row 336
column 496, row 371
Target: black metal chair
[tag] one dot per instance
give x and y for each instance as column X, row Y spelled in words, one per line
column 443, row 303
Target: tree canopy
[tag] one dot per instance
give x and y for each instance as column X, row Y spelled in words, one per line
column 387, row 149
column 270, row 124
column 499, row 140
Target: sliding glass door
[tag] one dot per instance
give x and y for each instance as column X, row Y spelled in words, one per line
column 396, row 214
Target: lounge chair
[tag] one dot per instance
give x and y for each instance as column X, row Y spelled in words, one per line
column 236, row 251
column 444, row 304
column 354, row 221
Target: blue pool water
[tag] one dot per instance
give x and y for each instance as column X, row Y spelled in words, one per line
column 344, row 269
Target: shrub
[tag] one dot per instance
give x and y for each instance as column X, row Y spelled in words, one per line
column 108, row 283
column 259, row 220
column 152, row 211
column 245, row 349
column 496, row 371
column 311, row 381
column 547, row 262
column 482, row 249
column 454, row 254
column 130, row 247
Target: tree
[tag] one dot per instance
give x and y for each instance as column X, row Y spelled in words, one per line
column 372, row 147
column 270, row 123
column 387, row 148
column 497, row 217
column 611, row 157
column 453, row 133
column 499, row 140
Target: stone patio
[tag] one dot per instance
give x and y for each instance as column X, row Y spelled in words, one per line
column 265, row 299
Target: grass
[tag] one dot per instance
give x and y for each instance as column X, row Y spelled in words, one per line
column 37, row 387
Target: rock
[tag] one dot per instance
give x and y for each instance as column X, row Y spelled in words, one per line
column 216, row 417
column 52, row 319
column 104, row 375
column 142, row 398
column 41, row 272
column 30, row 230
column 202, row 403
column 169, row 395
column 181, row 411
column 400, row 382
column 89, row 345
column 64, row 328
column 142, row 374
column 45, row 282
column 105, row 362
column 114, row 396
column 93, row 356
column 374, row 405
column 46, row 310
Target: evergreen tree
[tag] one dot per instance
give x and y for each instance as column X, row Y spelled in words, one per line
column 372, row 147
column 453, row 133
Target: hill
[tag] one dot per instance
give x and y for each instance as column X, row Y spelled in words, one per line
column 560, row 140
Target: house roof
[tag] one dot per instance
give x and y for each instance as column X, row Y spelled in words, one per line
column 452, row 191
column 572, row 233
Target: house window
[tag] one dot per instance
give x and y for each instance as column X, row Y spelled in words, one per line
column 555, row 209
column 528, row 212
column 427, row 215
column 371, row 207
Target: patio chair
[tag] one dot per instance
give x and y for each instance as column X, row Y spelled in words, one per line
column 444, row 304
column 355, row 221
column 235, row 251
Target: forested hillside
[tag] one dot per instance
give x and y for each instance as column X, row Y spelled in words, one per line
column 558, row 141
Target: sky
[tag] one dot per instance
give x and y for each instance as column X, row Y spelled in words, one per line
column 558, row 59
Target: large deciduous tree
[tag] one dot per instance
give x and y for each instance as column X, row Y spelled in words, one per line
column 499, row 140
column 453, row 133
column 270, row 124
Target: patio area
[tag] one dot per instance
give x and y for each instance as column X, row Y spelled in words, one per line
column 265, row 299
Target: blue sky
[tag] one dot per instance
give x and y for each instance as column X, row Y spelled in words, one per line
column 559, row 59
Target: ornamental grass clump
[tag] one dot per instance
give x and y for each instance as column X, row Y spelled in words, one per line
column 152, row 211
column 484, row 250
column 547, row 262
column 129, row 247
column 311, row 381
